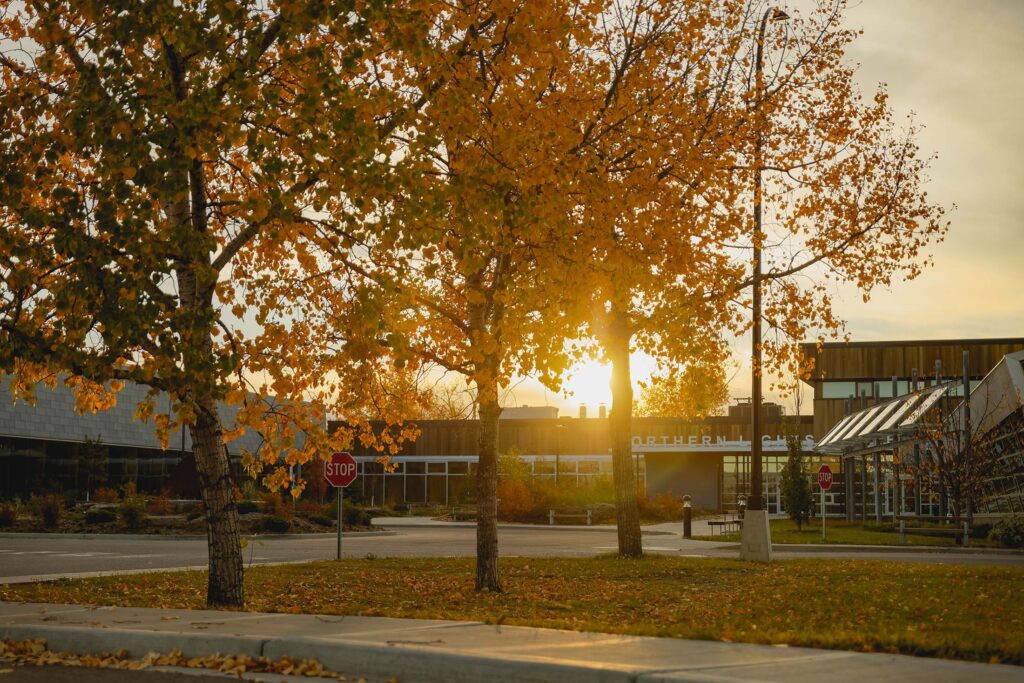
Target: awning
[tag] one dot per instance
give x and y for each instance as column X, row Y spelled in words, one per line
column 883, row 423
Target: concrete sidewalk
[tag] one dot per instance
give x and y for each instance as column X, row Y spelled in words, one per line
column 421, row 522
column 450, row 651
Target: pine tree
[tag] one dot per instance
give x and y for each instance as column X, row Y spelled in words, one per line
column 796, row 487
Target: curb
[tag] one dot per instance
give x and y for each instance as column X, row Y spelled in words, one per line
column 404, row 661
column 882, row 549
column 188, row 537
column 547, row 527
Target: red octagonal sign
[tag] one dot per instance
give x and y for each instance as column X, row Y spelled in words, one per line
column 340, row 470
column 825, row 477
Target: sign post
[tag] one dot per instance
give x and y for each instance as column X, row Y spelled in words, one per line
column 340, row 471
column 825, row 483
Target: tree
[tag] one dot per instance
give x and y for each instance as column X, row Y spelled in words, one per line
column 462, row 268
column 690, row 393
column 962, row 464
column 672, row 227
column 794, row 484
column 158, row 169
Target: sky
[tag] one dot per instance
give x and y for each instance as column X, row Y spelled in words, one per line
column 958, row 67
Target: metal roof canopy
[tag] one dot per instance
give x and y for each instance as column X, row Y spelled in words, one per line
column 882, row 424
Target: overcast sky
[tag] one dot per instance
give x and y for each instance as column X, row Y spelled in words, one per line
column 958, row 66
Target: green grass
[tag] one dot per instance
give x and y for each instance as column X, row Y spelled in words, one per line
column 967, row 612
column 842, row 532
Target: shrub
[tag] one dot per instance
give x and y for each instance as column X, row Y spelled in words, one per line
column 354, row 515
column 193, row 515
column 49, row 509
column 276, row 525
column 663, row 507
column 515, row 501
column 246, row 507
column 8, row 515
column 133, row 513
column 274, row 504
column 1008, row 532
column 129, row 490
column 160, row 505
column 105, row 495
column 308, row 506
column 321, row 520
column 99, row 516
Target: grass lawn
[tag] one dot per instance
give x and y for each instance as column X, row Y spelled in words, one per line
column 843, row 532
column 968, row 612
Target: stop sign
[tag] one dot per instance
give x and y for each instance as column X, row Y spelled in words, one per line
column 825, row 477
column 340, row 470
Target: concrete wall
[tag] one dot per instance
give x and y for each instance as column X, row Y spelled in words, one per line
column 695, row 474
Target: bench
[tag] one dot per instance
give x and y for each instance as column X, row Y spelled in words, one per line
column 957, row 526
column 587, row 514
column 463, row 512
column 726, row 524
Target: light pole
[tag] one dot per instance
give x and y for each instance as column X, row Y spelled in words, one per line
column 755, row 502
column 558, row 449
column 756, row 541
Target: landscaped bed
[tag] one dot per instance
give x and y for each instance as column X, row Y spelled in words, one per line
column 967, row 612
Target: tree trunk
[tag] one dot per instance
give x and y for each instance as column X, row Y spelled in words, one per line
column 487, row 487
column 225, row 584
column 627, row 513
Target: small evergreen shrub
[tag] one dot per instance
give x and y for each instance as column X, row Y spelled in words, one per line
column 276, row 525
column 246, row 507
column 100, row 516
column 8, row 515
column 133, row 513
column 1008, row 532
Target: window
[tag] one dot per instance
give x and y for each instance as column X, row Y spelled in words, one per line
column 838, row 389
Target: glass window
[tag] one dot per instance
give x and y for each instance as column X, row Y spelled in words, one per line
column 866, row 389
column 436, row 467
column 838, row 389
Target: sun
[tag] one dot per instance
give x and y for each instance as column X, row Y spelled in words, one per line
column 588, row 383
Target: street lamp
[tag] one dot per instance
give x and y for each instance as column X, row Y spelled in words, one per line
column 755, row 502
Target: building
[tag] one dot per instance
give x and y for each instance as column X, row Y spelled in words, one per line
column 886, row 429
column 709, row 460
column 854, row 375
column 48, row 446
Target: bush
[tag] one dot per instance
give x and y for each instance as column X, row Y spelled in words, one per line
column 133, row 513
column 105, row 495
column 246, row 507
column 99, row 516
column 276, row 525
column 663, row 507
column 194, row 515
column 275, row 505
column 354, row 515
column 49, row 509
column 321, row 520
column 515, row 501
column 160, row 505
column 8, row 515
column 1008, row 532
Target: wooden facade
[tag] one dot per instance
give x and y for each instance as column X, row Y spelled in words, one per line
column 866, row 362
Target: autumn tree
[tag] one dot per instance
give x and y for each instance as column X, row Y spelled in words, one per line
column 691, row 393
column 769, row 143
column 158, row 167
column 461, row 269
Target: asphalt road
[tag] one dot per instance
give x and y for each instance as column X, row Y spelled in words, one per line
column 33, row 558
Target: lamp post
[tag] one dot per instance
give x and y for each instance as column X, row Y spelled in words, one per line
column 558, row 450
column 755, row 501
